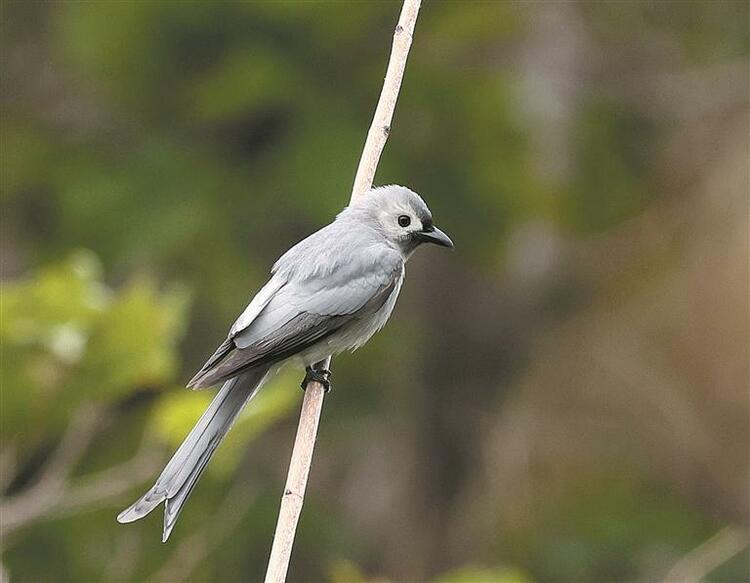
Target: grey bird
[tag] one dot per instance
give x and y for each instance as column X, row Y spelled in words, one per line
column 329, row 293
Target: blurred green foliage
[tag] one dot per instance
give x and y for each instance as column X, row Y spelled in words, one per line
column 156, row 157
column 69, row 339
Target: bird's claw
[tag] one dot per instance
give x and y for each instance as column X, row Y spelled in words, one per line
column 318, row 375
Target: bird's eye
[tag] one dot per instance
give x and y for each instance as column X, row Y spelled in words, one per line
column 404, row 220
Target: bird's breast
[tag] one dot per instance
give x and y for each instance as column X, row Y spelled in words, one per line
column 364, row 328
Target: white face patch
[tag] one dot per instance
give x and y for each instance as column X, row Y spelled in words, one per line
column 387, row 204
column 391, row 217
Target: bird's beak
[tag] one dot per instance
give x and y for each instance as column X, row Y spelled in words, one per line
column 436, row 236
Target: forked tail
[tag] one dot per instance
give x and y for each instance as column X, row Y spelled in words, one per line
column 176, row 482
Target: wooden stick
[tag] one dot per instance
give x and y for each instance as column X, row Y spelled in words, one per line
column 381, row 121
column 312, row 405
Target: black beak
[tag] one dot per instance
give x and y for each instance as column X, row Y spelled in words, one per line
column 434, row 235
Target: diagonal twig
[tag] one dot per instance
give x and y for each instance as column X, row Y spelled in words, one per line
column 717, row 550
column 304, row 443
column 55, row 494
column 36, row 500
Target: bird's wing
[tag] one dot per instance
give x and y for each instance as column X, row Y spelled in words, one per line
column 257, row 304
column 253, row 309
column 304, row 311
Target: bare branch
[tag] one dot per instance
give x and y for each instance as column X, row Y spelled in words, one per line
column 53, row 494
column 304, row 443
column 108, row 484
column 717, row 550
column 73, row 445
column 381, row 121
column 39, row 498
column 296, row 483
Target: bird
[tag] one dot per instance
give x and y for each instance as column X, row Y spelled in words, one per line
column 327, row 294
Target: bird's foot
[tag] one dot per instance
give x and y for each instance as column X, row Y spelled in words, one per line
column 319, row 375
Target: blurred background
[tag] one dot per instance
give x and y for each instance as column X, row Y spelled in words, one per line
column 563, row 398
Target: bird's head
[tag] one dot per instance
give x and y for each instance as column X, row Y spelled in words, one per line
column 401, row 216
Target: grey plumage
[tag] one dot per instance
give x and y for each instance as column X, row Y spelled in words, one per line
column 329, row 293
column 179, row 477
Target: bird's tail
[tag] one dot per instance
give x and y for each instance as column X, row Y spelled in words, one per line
column 176, row 482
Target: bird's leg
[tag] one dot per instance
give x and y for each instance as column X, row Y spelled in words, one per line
column 319, row 375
